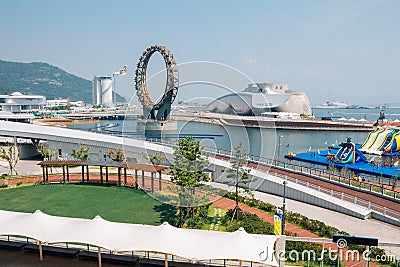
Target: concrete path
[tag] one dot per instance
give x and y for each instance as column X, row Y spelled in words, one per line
column 25, row 167
column 354, row 226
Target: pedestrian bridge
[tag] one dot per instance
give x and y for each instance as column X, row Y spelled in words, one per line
column 63, row 140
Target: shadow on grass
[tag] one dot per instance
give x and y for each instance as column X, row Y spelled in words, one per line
column 167, row 212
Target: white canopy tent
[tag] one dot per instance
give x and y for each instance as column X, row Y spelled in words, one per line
column 195, row 245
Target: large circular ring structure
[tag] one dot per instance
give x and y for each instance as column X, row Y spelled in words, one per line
column 171, row 88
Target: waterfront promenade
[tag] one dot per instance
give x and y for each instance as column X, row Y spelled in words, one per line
column 96, row 143
column 371, row 228
column 272, row 123
column 388, row 233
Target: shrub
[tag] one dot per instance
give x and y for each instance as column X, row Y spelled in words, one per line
column 250, row 222
column 314, row 226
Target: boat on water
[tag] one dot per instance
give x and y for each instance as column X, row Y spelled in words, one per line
column 333, row 104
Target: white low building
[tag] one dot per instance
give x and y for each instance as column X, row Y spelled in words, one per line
column 17, row 102
column 57, row 103
column 63, row 103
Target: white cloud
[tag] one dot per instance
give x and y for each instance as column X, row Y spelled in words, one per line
column 249, row 59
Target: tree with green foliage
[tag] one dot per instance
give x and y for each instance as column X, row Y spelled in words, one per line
column 156, row 159
column 60, row 108
column 238, row 175
column 82, row 154
column 187, row 173
column 116, row 154
column 11, row 155
column 46, row 152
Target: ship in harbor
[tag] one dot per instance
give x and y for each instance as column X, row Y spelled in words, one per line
column 333, row 104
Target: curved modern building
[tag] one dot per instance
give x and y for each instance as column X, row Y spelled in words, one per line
column 257, row 98
column 17, row 102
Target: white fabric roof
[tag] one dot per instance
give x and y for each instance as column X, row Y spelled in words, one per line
column 187, row 243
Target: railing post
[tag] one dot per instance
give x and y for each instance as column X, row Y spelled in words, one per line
column 369, row 205
column 384, row 211
column 331, row 192
column 319, row 188
column 342, row 195
column 308, row 184
column 355, row 200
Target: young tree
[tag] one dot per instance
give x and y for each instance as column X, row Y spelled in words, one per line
column 156, row 159
column 115, row 154
column 11, row 155
column 187, row 172
column 46, row 152
column 238, row 174
column 82, row 154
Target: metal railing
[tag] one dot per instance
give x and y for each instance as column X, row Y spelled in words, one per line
column 346, row 197
column 316, row 172
column 143, row 255
column 308, row 171
column 325, row 175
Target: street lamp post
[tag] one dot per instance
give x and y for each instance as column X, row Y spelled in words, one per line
column 284, row 208
column 279, row 147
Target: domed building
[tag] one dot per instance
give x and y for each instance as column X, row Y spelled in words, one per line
column 258, row 98
column 17, row 102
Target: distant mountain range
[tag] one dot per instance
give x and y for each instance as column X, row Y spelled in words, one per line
column 43, row 79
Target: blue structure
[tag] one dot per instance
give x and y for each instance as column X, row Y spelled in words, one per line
column 358, row 167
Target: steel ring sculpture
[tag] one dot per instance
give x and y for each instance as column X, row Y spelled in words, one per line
column 161, row 109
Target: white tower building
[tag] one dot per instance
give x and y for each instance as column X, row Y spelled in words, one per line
column 103, row 91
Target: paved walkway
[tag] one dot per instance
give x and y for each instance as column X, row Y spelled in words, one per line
column 338, row 188
column 225, row 203
column 354, row 226
column 384, row 232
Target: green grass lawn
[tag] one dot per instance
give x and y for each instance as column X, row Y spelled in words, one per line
column 86, row 201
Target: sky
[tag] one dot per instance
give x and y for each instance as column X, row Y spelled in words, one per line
column 346, row 50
